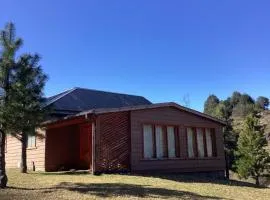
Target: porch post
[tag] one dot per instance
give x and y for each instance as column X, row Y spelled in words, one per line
column 93, row 146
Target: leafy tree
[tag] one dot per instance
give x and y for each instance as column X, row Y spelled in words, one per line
column 243, row 110
column 223, row 111
column 9, row 46
column 210, row 104
column 234, row 100
column 238, row 105
column 26, row 101
column 262, row 103
column 246, row 99
column 244, row 107
column 252, row 157
column 230, row 143
column 228, row 107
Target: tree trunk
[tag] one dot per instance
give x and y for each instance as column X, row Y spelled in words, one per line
column 227, row 171
column 23, row 155
column 5, row 86
column 257, row 180
column 3, row 176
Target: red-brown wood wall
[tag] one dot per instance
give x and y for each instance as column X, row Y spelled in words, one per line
column 118, row 140
column 62, row 148
column 112, row 139
column 181, row 120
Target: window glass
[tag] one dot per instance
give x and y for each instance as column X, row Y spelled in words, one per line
column 200, row 142
column 171, row 142
column 208, row 142
column 148, row 141
column 190, row 137
column 159, row 142
column 31, row 140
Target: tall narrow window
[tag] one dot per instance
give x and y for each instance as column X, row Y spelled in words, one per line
column 31, row 141
column 200, row 142
column 209, row 143
column 148, row 141
column 190, row 138
column 159, row 142
column 171, row 142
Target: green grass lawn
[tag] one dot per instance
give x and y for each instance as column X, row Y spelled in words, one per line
column 85, row 186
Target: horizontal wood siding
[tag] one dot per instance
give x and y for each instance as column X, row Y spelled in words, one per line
column 180, row 119
column 112, row 149
column 35, row 155
column 13, row 152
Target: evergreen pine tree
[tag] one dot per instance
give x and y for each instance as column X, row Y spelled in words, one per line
column 22, row 82
column 25, row 109
column 210, row 104
column 252, row 158
column 9, row 45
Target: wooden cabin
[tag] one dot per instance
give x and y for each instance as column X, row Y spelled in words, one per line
column 139, row 137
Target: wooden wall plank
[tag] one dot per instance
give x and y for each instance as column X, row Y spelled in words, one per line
column 113, row 142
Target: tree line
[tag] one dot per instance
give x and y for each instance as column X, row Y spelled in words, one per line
column 22, row 82
column 245, row 147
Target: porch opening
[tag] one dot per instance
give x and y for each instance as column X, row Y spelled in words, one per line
column 69, row 147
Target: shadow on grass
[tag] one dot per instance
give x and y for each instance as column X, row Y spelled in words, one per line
column 189, row 178
column 121, row 190
column 71, row 172
column 184, row 177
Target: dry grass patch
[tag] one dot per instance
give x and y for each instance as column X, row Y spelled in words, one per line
column 81, row 185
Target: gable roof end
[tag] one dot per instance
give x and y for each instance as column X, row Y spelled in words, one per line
column 132, row 108
column 151, row 106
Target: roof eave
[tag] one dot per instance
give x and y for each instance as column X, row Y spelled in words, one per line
column 141, row 107
column 152, row 106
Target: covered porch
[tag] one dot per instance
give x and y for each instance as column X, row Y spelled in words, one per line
column 69, row 146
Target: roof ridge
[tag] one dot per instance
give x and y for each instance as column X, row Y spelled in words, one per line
column 61, row 96
column 53, row 99
column 108, row 92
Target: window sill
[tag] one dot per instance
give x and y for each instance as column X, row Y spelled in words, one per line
column 30, row 148
column 150, row 159
column 204, row 158
column 164, row 159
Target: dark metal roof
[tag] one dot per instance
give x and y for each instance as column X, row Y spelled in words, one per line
column 80, row 99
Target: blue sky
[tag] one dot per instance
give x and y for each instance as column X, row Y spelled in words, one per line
column 163, row 50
